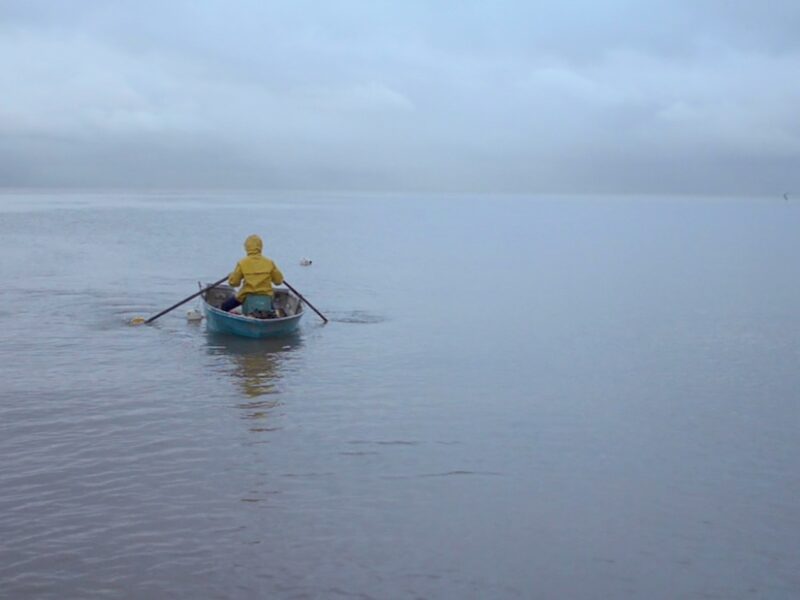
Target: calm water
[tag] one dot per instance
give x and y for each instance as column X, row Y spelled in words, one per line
column 515, row 398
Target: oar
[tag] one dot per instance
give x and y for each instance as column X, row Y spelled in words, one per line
column 141, row 321
column 299, row 295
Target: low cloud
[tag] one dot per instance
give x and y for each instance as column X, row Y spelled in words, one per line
column 453, row 97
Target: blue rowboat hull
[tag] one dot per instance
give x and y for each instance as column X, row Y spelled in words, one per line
column 219, row 321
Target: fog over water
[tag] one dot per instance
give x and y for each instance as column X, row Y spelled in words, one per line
column 686, row 96
column 516, row 397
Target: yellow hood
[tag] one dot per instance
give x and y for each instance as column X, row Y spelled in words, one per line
column 253, row 245
column 255, row 272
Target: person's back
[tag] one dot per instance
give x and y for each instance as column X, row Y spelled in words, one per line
column 255, row 272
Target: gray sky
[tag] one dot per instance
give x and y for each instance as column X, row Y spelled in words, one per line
column 694, row 96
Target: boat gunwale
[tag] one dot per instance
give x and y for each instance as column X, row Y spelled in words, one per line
column 246, row 319
column 231, row 315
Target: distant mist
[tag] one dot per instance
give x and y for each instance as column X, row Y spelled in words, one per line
column 683, row 97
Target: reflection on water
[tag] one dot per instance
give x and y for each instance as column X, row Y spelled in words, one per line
column 256, row 366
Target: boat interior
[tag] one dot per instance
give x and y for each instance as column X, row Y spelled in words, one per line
column 284, row 304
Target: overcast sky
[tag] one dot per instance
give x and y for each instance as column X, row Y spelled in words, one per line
column 693, row 96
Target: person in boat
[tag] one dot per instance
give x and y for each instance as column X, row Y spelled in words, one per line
column 256, row 273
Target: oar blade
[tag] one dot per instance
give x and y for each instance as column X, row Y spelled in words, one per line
column 143, row 321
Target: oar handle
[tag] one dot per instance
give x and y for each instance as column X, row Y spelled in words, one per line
column 299, row 295
column 185, row 300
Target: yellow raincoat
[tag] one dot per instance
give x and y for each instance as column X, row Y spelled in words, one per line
column 258, row 272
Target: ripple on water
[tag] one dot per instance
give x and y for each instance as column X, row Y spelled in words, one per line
column 386, row 442
column 356, row 316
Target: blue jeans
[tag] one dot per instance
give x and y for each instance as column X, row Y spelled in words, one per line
column 251, row 302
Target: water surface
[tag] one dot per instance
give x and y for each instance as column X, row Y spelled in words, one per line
column 515, row 398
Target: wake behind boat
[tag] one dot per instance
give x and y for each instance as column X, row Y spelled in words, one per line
column 283, row 320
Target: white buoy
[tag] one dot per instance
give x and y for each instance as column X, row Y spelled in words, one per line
column 194, row 315
column 304, row 262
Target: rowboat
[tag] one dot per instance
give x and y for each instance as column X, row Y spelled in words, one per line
column 287, row 307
